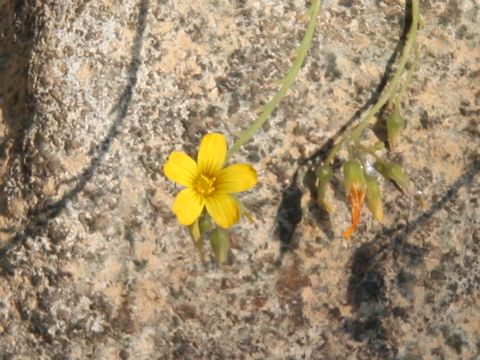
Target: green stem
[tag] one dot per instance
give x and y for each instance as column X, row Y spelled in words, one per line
column 389, row 92
column 408, row 78
column 286, row 82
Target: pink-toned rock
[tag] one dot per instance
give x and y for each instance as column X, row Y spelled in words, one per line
column 94, row 95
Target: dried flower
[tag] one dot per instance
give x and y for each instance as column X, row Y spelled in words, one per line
column 356, row 186
column 208, row 183
column 374, row 199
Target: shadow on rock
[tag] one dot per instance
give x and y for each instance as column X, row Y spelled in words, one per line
column 366, row 286
column 39, row 217
column 18, row 21
column 288, row 216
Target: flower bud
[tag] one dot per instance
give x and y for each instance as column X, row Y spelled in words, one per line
column 356, row 186
column 324, row 191
column 220, row 245
column 374, row 199
column 395, row 173
column 395, row 124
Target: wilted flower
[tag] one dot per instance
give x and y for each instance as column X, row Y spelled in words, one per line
column 208, row 183
column 356, row 186
column 374, row 199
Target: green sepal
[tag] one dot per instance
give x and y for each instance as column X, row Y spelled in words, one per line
column 220, row 245
column 395, row 124
column 195, row 232
column 205, row 224
column 393, row 172
column 353, row 175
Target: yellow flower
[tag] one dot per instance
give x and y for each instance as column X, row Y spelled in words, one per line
column 208, row 183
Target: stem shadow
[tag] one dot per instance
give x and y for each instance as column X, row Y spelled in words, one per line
column 38, row 218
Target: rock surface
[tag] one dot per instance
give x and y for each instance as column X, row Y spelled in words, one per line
column 96, row 94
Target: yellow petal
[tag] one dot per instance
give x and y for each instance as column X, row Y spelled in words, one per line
column 236, row 178
column 188, row 206
column 180, row 168
column 223, row 209
column 211, row 154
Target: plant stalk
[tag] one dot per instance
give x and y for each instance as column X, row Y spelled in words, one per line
column 389, row 92
column 286, row 82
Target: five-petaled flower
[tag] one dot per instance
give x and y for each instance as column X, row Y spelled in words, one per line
column 208, row 183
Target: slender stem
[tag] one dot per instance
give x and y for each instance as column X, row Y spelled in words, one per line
column 408, row 78
column 389, row 92
column 286, row 82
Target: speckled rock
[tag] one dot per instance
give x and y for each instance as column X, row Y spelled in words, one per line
column 96, row 94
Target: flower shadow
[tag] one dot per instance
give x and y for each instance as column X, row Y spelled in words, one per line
column 367, row 293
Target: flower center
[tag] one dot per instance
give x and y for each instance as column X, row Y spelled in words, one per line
column 204, row 185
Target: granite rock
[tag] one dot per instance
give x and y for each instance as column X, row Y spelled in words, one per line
column 96, row 94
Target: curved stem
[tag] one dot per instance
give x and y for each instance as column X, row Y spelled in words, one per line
column 389, row 92
column 286, row 82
